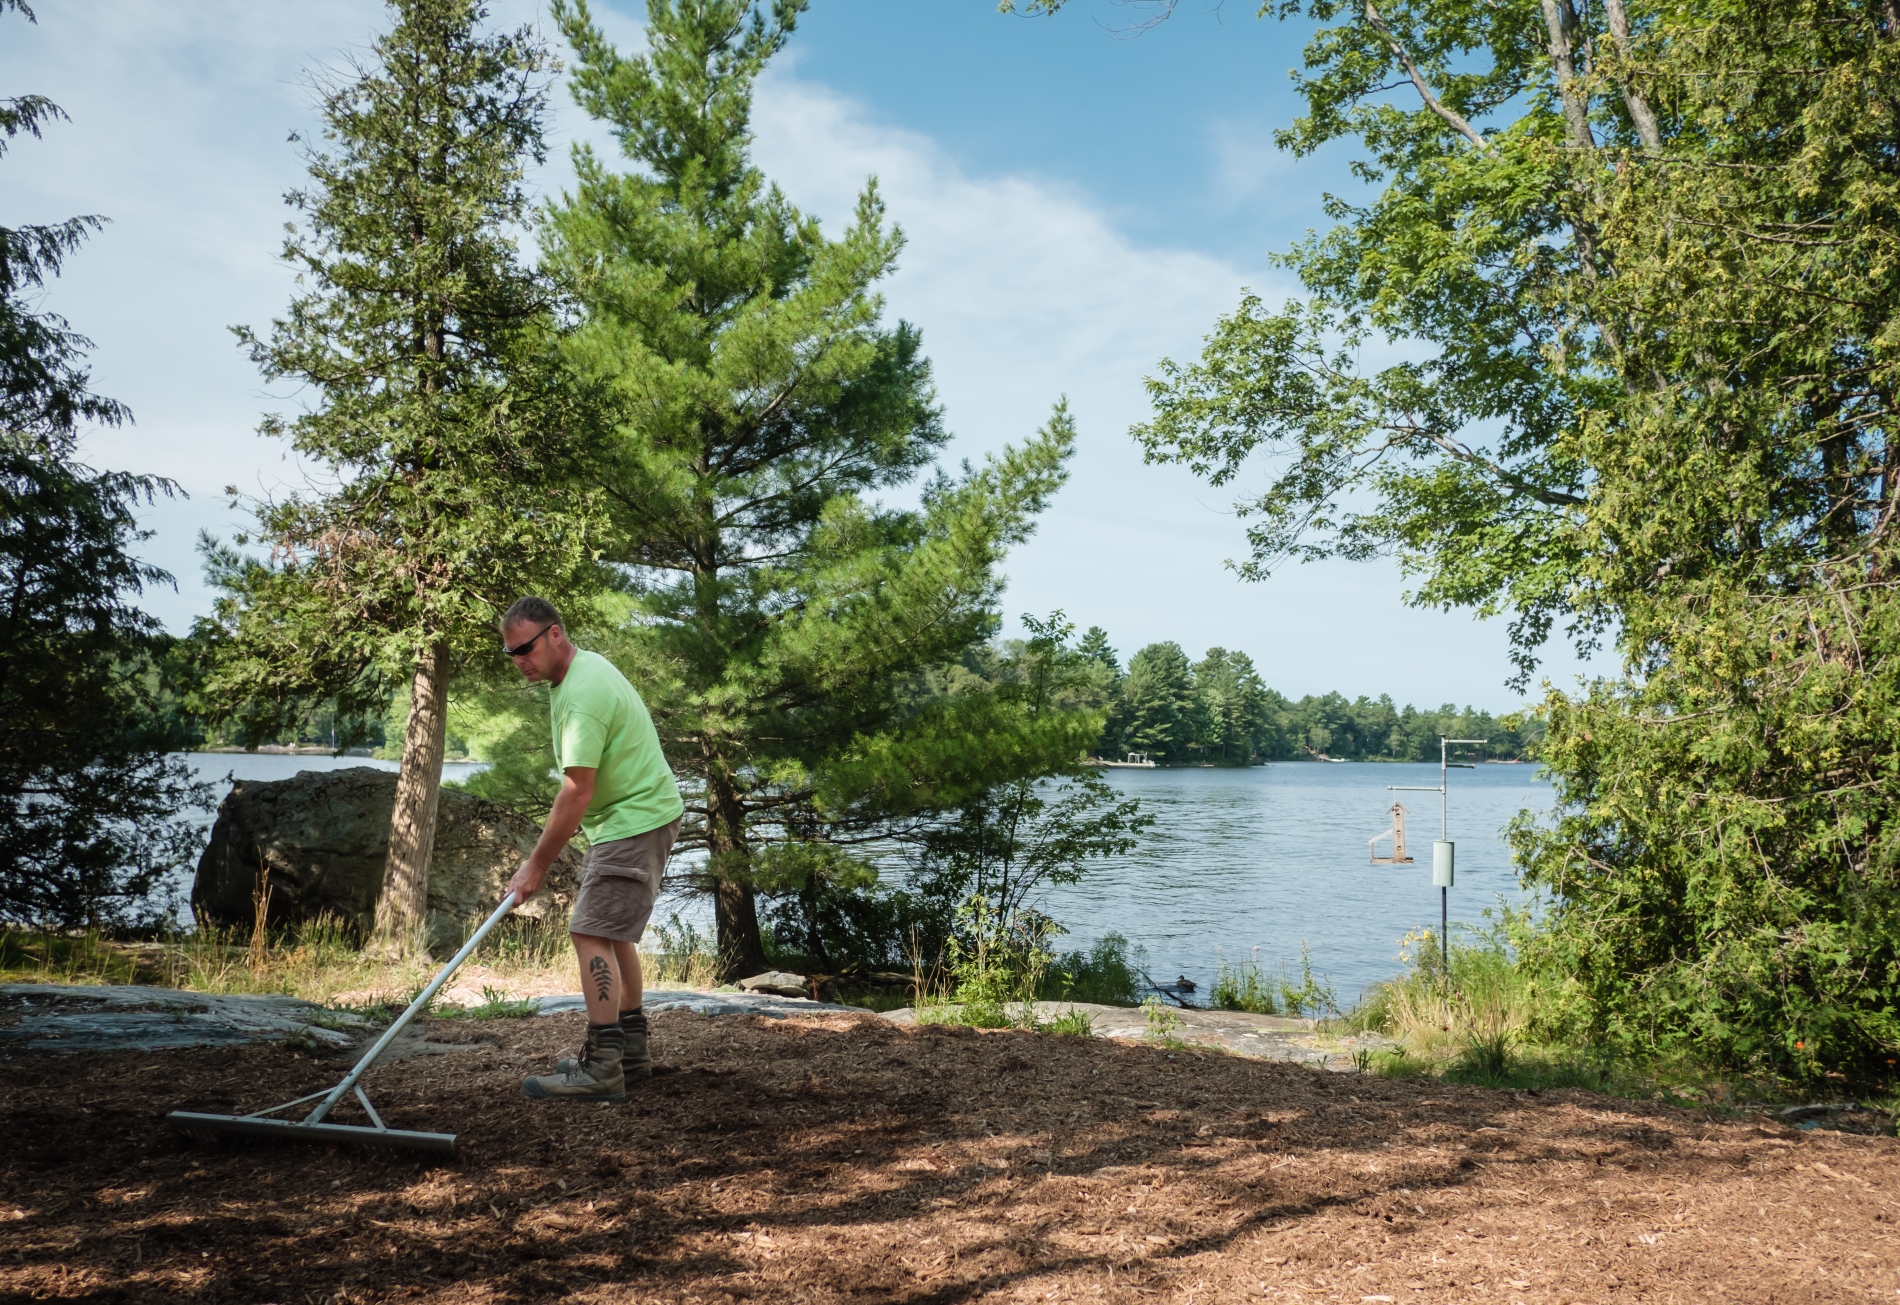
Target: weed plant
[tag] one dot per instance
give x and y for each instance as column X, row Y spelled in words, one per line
column 1164, row 1024
column 994, row 969
column 1248, row 986
column 1072, row 1023
column 1107, row 974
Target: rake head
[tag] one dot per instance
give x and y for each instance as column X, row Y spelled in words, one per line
column 210, row 1128
column 314, row 1127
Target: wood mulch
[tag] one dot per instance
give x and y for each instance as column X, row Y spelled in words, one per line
column 839, row 1158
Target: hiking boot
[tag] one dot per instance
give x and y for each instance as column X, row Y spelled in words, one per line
column 595, row 1076
column 637, row 1060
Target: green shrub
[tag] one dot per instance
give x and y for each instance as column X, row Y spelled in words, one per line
column 993, row 967
column 1243, row 986
column 1108, row 974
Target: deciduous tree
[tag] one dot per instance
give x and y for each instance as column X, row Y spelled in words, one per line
column 1649, row 252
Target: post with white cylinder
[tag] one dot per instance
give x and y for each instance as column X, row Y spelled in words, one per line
column 1444, row 854
column 1444, row 850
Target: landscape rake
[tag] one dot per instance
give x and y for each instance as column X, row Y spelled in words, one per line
column 313, row 1127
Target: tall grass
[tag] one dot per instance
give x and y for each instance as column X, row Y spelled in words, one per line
column 1466, row 1015
column 685, row 958
column 322, row 960
column 1248, row 986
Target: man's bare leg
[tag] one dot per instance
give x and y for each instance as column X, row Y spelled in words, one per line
column 597, row 1074
column 637, row 1059
column 632, row 981
column 600, row 977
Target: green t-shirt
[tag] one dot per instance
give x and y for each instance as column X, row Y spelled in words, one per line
column 599, row 721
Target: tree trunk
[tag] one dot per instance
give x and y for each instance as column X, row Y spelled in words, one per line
column 735, row 910
column 1641, row 115
column 404, row 903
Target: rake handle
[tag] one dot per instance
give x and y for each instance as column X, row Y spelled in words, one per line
column 415, row 1007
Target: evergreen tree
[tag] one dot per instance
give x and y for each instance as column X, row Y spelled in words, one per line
column 1233, row 708
column 1032, row 832
column 92, row 812
column 1158, row 707
column 1094, row 648
column 753, row 403
column 429, row 349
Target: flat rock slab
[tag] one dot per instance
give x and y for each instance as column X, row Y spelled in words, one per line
column 65, row 1019
column 722, row 1002
column 1264, row 1037
column 70, row 1018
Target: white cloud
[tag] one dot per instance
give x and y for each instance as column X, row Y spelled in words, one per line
column 1025, row 290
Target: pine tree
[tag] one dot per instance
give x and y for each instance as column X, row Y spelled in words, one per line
column 1032, row 832
column 429, row 348
column 757, row 403
column 92, row 812
column 1094, row 647
column 1158, row 704
column 1233, row 706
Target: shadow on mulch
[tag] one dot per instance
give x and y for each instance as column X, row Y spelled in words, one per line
column 840, row 1158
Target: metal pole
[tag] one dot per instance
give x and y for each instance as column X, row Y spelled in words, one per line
column 1444, row 835
column 402, row 1021
column 1443, row 787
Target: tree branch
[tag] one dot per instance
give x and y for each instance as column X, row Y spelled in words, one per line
column 1640, row 112
column 1432, row 102
column 1561, row 21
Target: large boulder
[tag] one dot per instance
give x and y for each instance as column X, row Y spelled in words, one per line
column 324, row 835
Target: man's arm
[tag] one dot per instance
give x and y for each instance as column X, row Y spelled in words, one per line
column 577, row 791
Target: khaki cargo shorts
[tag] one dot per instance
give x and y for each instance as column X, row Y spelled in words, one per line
column 619, row 881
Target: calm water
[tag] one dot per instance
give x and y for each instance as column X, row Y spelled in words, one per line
column 1268, row 857
column 221, row 767
column 1274, row 856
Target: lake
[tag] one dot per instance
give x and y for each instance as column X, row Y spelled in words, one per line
column 1273, row 856
column 1267, row 857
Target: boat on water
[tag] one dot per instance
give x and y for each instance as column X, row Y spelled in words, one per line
column 1134, row 761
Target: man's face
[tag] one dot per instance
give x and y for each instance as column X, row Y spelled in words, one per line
column 547, row 655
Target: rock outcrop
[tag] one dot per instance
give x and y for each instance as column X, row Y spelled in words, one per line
column 324, row 835
column 779, row 983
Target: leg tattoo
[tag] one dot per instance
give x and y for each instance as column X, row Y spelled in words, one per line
column 603, row 977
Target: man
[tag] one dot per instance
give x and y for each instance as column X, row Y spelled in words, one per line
column 618, row 789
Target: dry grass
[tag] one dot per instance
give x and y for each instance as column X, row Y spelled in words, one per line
column 320, row 961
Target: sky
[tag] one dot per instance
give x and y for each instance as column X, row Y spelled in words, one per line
column 1081, row 198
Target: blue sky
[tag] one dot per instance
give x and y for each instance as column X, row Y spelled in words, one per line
column 1080, row 202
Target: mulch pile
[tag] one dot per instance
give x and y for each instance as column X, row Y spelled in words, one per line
column 840, row 1158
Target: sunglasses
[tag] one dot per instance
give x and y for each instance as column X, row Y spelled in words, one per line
column 522, row 649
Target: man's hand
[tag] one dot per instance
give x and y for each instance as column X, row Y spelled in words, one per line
column 577, row 790
column 526, row 883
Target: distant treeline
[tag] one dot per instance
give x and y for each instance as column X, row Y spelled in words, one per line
column 1218, row 710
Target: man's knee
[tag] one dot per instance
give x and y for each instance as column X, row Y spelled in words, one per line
column 591, row 940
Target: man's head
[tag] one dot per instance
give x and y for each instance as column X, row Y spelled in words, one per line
column 531, row 633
